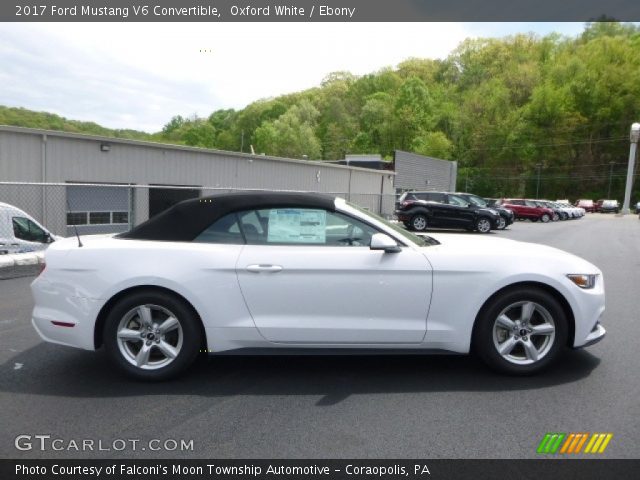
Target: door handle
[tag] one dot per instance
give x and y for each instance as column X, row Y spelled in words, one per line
column 264, row 268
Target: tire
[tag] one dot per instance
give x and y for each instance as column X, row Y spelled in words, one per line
column 483, row 225
column 419, row 222
column 168, row 354
column 565, row 216
column 555, row 217
column 502, row 224
column 534, row 219
column 497, row 327
column 544, row 218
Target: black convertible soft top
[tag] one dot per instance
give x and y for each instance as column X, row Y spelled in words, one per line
column 186, row 220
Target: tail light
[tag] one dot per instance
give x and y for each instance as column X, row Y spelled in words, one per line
column 406, row 203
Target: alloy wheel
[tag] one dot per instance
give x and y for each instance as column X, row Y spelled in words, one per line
column 149, row 337
column 545, row 218
column 502, row 224
column 484, row 225
column 419, row 223
column 524, row 332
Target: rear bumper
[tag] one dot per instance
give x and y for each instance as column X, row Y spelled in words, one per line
column 63, row 320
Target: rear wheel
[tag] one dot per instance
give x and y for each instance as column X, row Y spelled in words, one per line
column 152, row 335
column 555, row 217
column 419, row 222
column 521, row 332
column 502, row 224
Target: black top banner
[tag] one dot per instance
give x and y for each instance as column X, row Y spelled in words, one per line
column 318, row 10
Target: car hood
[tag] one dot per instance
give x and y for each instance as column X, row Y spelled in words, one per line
column 489, row 249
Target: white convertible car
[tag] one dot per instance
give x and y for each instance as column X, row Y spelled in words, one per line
column 254, row 272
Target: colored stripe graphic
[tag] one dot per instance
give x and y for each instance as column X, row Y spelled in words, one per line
column 572, row 443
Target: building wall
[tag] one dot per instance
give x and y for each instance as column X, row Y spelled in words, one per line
column 29, row 155
column 419, row 172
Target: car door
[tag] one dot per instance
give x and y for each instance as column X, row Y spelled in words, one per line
column 460, row 214
column 308, row 276
column 439, row 211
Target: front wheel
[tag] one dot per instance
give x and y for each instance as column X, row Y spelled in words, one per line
column 545, row 218
column 419, row 223
column 483, row 225
column 152, row 335
column 521, row 332
column 555, row 217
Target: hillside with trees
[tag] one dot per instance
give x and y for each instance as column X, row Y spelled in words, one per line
column 508, row 110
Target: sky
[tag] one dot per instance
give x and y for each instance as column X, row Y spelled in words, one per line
column 139, row 75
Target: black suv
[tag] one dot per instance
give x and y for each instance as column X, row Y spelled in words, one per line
column 421, row 210
column 506, row 216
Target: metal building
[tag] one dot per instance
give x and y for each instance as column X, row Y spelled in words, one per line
column 152, row 176
column 419, row 172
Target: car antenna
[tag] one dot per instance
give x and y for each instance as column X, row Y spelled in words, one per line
column 75, row 227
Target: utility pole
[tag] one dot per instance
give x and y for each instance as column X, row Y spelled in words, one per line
column 633, row 138
column 539, row 165
column 610, row 177
column 242, row 141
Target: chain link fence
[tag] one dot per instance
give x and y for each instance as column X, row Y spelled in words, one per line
column 94, row 208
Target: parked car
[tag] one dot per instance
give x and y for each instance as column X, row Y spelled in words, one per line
column 20, row 232
column 506, row 216
column 557, row 212
column 574, row 212
column 303, row 272
column 565, row 212
column 638, row 207
column 609, row 206
column 527, row 209
column 588, row 205
column 419, row 211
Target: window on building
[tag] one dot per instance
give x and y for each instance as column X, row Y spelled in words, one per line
column 77, row 218
column 99, row 218
column 119, row 217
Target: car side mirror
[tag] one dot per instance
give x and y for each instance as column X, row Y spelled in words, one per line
column 380, row 241
column 48, row 238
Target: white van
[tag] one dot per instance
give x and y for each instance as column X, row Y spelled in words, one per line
column 19, row 232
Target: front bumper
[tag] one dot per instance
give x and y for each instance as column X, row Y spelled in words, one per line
column 595, row 336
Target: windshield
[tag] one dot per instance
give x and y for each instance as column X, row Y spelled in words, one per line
column 418, row 240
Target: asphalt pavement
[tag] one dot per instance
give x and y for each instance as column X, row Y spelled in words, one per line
column 443, row 406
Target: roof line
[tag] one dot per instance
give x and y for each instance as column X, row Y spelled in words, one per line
column 169, row 146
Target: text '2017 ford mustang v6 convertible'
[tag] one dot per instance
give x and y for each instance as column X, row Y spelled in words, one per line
column 263, row 271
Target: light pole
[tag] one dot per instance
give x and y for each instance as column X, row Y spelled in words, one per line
column 633, row 138
column 539, row 165
column 610, row 177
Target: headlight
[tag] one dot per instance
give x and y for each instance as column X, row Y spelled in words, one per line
column 583, row 280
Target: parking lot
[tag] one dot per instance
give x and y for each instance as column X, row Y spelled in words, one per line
column 345, row 407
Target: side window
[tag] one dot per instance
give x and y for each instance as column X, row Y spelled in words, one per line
column 224, row 230
column 454, row 200
column 435, row 197
column 304, row 226
column 517, row 202
column 25, row 229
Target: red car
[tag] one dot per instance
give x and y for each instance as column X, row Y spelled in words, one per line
column 588, row 205
column 527, row 209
